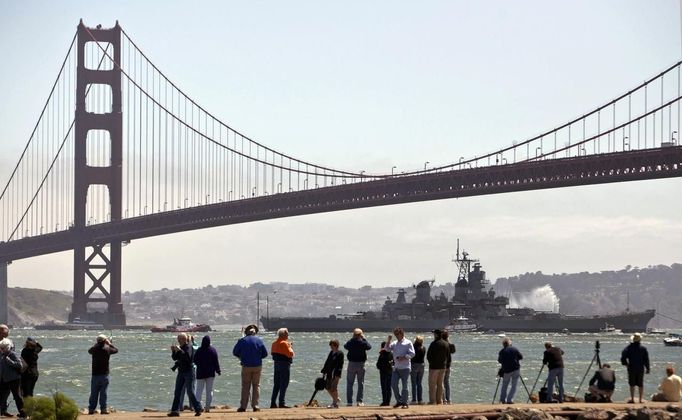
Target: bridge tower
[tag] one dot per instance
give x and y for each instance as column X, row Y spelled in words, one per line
column 93, row 263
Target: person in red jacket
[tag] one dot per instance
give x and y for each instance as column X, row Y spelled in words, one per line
column 283, row 355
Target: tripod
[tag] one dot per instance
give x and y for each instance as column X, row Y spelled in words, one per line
column 596, row 357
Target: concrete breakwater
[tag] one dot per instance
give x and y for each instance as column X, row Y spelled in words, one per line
column 573, row 411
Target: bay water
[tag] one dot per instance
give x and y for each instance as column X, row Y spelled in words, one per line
column 141, row 375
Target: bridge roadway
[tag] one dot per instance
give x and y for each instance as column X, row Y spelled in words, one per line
column 665, row 162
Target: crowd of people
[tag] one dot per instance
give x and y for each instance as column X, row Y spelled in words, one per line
column 399, row 361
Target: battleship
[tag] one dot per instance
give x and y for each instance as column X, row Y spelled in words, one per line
column 474, row 299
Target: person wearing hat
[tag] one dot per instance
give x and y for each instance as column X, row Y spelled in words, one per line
column 437, row 356
column 636, row 357
column 10, row 378
column 251, row 351
column 357, row 348
column 99, row 382
column 30, row 376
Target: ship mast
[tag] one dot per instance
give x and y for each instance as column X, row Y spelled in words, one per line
column 463, row 263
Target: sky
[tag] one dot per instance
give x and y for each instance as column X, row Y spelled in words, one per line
column 368, row 86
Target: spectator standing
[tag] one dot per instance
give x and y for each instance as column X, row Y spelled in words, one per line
column 356, row 348
column 509, row 357
column 183, row 354
column 417, row 370
column 251, row 351
column 671, row 387
column 10, row 378
column 403, row 352
column 331, row 370
column 636, row 357
column 207, row 365
column 437, row 355
column 385, row 366
column 448, row 364
column 283, row 355
column 30, row 376
column 99, row 382
column 553, row 358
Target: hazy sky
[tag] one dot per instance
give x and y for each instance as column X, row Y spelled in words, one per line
column 366, row 86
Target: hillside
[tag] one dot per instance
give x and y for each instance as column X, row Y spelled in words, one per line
column 33, row 306
column 656, row 287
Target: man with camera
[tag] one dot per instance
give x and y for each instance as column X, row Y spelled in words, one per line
column 99, row 382
column 510, row 371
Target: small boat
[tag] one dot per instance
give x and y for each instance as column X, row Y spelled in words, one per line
column 182, row 325
column 565, row 331
column 75, row 325
column 673, row 340
column 656, row 331
column 461, row 324
column 609, row 329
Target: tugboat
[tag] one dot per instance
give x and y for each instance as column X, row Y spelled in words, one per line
column 610, row 329
column 182, row 325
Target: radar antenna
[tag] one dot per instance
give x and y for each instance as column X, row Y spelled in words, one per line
column 463, row 263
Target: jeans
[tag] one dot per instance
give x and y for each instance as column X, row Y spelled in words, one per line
column 355, row 369
column 98, row 389
column 416, row 376
column 280, row 382
column 208, row 382
column 558, row 374
column 401, row 375
column 184, row 382
column 385, row 381
column 446, row 386
column 514, row 378
column 194, row 388
column 14, row 388
column 28, row 383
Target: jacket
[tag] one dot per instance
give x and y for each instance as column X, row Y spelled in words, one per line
column 419, row 353
column 10, row 367
column 509, row 359
column 438, row 353
column 385, row 361
column 453, row 349
column 357, row 349
column 206, row 359
column 184, row 356
column 30, row 356
column 403, row 352
column 553, row 358
column 281, row 350
column 100, row 357
column 250, row 350
column 636, row 357
column 605, row 379
column 334, row 364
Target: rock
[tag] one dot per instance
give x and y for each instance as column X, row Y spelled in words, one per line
column 150, row 410
column 652, row 414
column 594, row 414
column 529, row 414
column 479, row 418
column 673, row 408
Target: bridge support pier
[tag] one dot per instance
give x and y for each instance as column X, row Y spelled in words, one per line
column 4, row 309
column 97, row 262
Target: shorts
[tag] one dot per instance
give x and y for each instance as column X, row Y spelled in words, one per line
column 636, row 378
column 332, row 383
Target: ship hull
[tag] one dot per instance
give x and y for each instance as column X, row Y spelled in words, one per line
column 629, row 322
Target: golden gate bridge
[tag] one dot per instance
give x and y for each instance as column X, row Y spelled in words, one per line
column 120, row 152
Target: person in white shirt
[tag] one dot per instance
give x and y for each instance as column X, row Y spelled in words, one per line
column 403, row 351
column 671, row 387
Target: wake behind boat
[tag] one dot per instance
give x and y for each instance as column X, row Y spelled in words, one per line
column 184, row 324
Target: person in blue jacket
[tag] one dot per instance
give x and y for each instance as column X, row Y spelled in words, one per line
column 510, row 371
column 251, row 351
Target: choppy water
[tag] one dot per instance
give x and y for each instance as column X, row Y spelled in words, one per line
column 141, row 375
